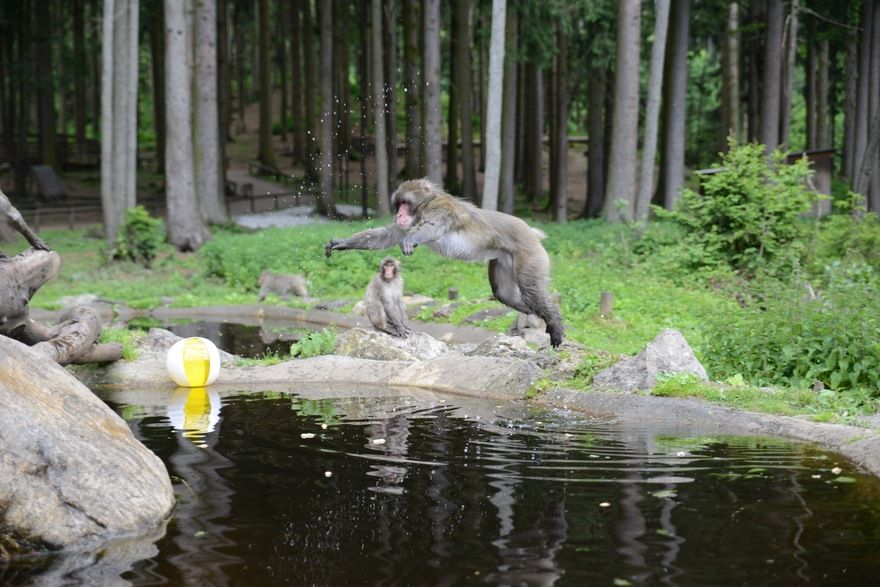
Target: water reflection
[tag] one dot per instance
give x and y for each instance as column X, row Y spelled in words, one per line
column 280, row 489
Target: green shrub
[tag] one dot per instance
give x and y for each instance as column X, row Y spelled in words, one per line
column 850, row 237
column 315, row 343
column 748, row 215
column 784, row 336
column 139, row 237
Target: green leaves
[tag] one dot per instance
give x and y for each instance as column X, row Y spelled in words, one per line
column 140, row 237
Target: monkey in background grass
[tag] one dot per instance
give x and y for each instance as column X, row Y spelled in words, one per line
column 519, row 268
column 383, row 301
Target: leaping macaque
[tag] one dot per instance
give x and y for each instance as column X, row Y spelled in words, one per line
column 12, row 217
column 383, row 301
column 519, row 268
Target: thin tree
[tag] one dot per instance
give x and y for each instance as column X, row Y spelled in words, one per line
column 389, row 34
column 266, row 155
column 771, row 86
column 326, row 199
column 790, row 47
column 80, row 67
column 850, row 99
column 433, row 156
column 508, row 116
column 492, row 139
column 310, row 53
column 296, row 61
column 730, row 77
column 620, row 193
column 382, row 202
column 463, row 93
column 208, row 169
column 413, row 88
column 45, row 83
column 558, row 199
column 598, row 80
column 186, row 230
column 674, row 112
column 652, row 114
column 157, row 54
column 118, row 112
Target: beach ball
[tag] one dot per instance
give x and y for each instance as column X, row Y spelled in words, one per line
column 193, row 362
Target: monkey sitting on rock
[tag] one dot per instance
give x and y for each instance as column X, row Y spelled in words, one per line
column 11, row 217
column 282, row 285
column 519, row 267
column 383, row 301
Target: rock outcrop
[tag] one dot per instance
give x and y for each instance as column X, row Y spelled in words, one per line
column 669, row 353
column 72, row 471
column 378, row 346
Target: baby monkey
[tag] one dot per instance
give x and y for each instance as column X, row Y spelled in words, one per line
column 383, row 302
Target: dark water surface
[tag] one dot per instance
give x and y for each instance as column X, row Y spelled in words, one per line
column 245, row 340
column 426, row 491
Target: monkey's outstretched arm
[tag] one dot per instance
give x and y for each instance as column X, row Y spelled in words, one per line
column 373, row 238
column 426, row 231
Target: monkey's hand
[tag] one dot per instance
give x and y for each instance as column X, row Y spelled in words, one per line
column 407, row 245
column 40, row 244
column 330, row 247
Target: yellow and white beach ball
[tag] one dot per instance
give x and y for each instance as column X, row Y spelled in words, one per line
column 193, row 362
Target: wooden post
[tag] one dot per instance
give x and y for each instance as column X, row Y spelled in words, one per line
column 606, row 304
column 453, row 293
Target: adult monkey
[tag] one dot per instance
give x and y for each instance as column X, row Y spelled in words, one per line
column 519, row 268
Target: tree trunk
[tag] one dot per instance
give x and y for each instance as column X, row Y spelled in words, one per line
column 598, row 79
column 390, row 42
column 535, row 140
column 433, row 146
column 364, row 100
column 558, row 198
column 224, row 82
column 492, row 139
column 823, row 139
column 810, row 89
column 80, row 73
column 341, row 85
column 309, row 53
column 240, row 49
column 266, row 155
column 464, row 95
column 674, row 111
column 652, row 114
column 850, row 102
column 863, row 113
column 186, row 230
column 450, row 178
column 620, row 197
column 413, row 88
column 771, row 87
column 280, row 63
column 508, row 117
column 208, row 184
column 43, row 75
column 872, row 152
column 730, row 81
column 296, row 60
column 790, row 48
column 382, row 201
column 326, row 199
column 157, row 49
column 119, row 112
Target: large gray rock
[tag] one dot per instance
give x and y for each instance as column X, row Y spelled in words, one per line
column 71, row 472
column 378, row 346
column 505, row 377
column 669, row 353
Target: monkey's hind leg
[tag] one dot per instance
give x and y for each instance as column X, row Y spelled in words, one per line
column 504, row 285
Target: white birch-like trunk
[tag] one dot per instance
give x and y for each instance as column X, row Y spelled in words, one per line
column 383, row 207
column 492, row 140
column 620, row 193
column 433, row 146
column 186, row 230
column 119, row 69
column 207, row 147
column 652, row 114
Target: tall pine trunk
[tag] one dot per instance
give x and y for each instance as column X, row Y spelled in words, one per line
column 44, row 75
column 297, row 92
column 788, row 72
column 382, row 202
column 730, row 79
column 326, row 199
column 558, row 199
column 266, row 155
column 620, row 194
column 208, row 169
column 432, row 146
column 413, row 88
column 850, row 103
column 535, row 132
column 492, row 140
column 674, row 110
column 81, row 73
column 450, row 178
column 389, row 30
column 464, row 97
column 652, row 114
column 598, row 80
column 771, row 85
column 310, row 51
column 186, row 230
column 157, row 50
column 508, row 116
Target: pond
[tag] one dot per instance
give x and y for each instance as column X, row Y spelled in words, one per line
column 250, row 340
column 419, row 489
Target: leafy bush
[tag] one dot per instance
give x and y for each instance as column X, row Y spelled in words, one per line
column 315, row 343
column 749, row 213
column 850, row 237
column 139, row 237
column 786, row 337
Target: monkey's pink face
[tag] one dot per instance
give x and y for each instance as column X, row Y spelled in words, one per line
column 388, row 271
column 404, row 214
